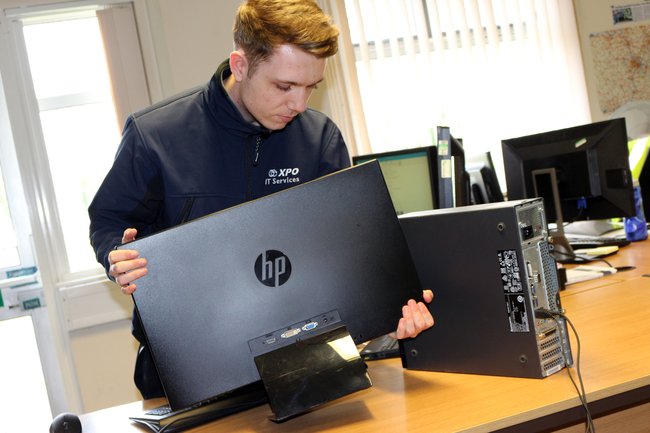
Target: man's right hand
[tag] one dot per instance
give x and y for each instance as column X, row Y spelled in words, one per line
column 126, row 266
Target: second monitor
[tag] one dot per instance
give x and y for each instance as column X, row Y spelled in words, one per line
column 484, row 182
column 411, row 176
column 588, row 167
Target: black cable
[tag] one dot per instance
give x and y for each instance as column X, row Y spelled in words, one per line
column 582, row 395
column 583, row 259
column 579, row 259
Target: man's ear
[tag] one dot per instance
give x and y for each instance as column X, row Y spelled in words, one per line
column 238, row 65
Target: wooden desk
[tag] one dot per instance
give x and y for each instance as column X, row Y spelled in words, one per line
column 612, row 317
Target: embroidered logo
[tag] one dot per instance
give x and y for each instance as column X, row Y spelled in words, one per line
column 282, row 176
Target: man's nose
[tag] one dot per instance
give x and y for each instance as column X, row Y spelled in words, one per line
column 298, row 101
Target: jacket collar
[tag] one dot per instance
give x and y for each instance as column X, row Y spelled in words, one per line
column 223, row 109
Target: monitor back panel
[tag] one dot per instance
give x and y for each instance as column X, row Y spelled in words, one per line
column 218, row 282
column 490, row 268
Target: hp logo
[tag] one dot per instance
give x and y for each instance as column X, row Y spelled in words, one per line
column 272, row 268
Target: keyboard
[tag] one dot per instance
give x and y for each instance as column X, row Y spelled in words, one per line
column 382, row 347
column 585, row 242
column 160, row 410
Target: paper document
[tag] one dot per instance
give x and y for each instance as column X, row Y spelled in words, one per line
column 587, row 272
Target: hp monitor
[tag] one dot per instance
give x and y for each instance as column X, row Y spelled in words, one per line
column 228, row 287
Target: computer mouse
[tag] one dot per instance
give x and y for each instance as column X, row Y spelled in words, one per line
column 66, row 423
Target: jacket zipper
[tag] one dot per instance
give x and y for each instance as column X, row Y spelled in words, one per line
column 256, row 155
column 255, row 159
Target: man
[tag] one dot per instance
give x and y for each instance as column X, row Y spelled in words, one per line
column 213, row 147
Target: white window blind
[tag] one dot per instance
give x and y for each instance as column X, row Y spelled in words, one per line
column 488, row 69
column 124, row 60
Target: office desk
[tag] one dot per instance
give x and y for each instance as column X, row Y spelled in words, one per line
column 612, row 317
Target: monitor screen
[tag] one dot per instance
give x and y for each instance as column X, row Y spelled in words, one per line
column 411, row 176
column 584, row 168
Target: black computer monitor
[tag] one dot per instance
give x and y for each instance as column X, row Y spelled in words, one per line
column 228, row 288
column 411, row 176
column 460, row 177
column 484, row 184
column 582, row 172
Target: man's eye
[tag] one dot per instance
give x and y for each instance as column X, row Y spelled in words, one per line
column 283, row 88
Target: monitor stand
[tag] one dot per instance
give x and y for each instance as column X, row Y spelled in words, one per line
column 307, row 364
column 545, row 186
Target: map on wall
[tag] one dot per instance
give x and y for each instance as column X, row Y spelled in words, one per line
column 622, row 65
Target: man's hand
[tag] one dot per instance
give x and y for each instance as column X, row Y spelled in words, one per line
column 126, row 266
column 416, row 317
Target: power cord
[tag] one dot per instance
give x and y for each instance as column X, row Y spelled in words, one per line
column 582, row 395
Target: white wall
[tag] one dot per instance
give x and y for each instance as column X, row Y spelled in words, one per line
column 104, row 357
column 192, row 37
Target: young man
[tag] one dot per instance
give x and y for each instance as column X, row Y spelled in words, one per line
column 214, row 147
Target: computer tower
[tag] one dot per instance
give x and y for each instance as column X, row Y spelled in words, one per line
column 490, row 268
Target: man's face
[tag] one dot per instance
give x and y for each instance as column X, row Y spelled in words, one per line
column 279, row 88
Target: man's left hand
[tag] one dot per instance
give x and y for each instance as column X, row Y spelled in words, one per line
column 416, row 317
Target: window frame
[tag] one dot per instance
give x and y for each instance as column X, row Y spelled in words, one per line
column 13, row 188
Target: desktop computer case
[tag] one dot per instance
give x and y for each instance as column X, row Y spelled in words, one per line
column 490, row 268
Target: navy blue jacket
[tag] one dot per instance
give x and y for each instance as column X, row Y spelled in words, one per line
column 194, row 154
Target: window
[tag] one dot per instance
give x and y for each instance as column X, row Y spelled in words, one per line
column 71, row 72
column 80, row 129
column 488, row 69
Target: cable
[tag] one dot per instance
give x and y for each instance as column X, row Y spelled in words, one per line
column 579, row 259
column 582, row 395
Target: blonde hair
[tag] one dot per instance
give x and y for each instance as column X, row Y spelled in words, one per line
column 262, row 25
